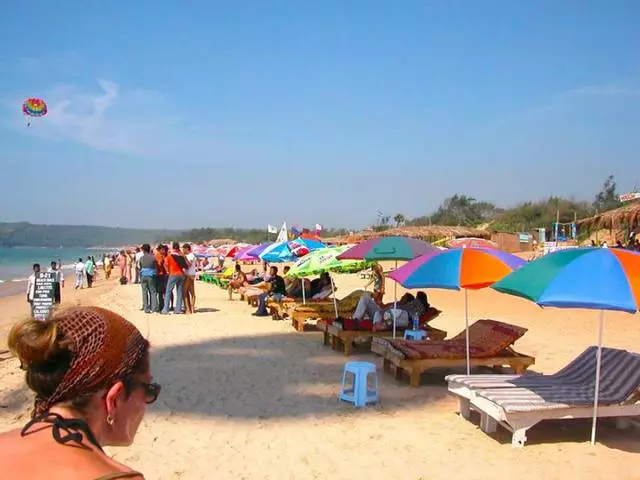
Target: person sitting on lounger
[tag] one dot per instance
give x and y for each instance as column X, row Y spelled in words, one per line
column 417, row 307
column 276, row 291
column 321, row 287
column 238, row 280
column 382, row 317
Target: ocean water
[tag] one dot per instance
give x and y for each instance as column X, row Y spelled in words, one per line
column 16, row 264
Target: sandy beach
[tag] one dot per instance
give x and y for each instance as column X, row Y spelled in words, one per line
column 246, row 397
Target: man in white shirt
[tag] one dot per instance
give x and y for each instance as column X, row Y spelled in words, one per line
column 31, row 284
column 139, row 254
column 58, row 282
column 79, row 269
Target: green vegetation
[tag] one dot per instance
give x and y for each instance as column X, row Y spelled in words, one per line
column 467, row 211
column 29, row 235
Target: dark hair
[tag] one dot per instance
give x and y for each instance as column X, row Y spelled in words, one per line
column 146, row 248
column 80, row 259
column 137, row 249
column 121, row 252
column 36, row 265
column 286, row 269
column 53, row 264
column 187, row 246
column 407, row 297
column 274, row 268
column 423, row 298
column 238, row 267
column 175, row 245
column 45, row 353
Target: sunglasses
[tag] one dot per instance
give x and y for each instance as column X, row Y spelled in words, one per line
column 151, row 390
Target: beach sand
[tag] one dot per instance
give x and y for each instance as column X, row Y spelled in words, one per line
column 246, row 397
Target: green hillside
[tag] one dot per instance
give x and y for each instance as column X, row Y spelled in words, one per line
column 26, row 234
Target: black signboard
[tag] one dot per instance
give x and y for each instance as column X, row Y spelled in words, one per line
column 43, row 295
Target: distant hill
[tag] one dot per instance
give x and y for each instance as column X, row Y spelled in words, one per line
column 24, row 234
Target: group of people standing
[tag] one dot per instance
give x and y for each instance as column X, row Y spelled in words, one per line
column 166, row 277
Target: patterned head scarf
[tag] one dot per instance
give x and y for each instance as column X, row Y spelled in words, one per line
column 104, row 346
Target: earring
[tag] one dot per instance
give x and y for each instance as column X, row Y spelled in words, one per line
column 110, row 420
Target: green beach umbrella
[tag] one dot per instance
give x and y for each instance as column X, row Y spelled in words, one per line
column 325, row 260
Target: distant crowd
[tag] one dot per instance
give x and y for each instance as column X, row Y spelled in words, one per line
column 167, row 276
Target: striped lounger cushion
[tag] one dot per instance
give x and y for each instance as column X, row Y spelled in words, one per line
column 616, row 387
column 580, row 371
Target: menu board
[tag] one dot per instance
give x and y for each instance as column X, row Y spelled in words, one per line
column 43, row 296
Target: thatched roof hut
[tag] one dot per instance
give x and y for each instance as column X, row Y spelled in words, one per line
column 629, row 215
column 428, row 233
column 218, row 242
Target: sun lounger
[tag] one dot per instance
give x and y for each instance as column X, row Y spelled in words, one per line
column 489, row 345
column 341, row 335
column 285, row 307
column 520, row 402
column 325, row 309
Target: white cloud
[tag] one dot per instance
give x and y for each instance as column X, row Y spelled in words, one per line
column 112, row 118
column 600, row 91
column 569, row 99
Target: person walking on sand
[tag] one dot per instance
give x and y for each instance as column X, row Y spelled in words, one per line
column 176, row 266
column 79, row 269
column 189, row 290
column 58, row 281
column 89, row 268
column 107, row 266
column 31, row 284
column 148, row 274
column 123, row 265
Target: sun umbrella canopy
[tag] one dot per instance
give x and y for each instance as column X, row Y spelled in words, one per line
column 388, row 248
column 255, row 252
column 593, row 278
column 282, row 251
column 324, row 260
column 472, row 268
column 242, row 251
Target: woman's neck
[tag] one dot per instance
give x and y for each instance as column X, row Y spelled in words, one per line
column 71, row 413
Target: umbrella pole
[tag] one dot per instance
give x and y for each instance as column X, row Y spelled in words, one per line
column 333, row 293
column 597, row 389
column 304, row 300
column 395, row 301
column 466, row 328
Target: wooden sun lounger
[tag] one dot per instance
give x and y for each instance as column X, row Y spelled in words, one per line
column 495, row 354
column 340, row 339
column 521, row 402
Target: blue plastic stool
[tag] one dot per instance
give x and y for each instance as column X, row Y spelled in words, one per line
column 359, row 393
column 415, row 334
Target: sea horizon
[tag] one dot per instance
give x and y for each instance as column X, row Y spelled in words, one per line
column 16, row 263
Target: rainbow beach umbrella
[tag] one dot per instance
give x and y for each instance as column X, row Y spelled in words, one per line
column 388, row 248
column 591, row 278
column 467, row 268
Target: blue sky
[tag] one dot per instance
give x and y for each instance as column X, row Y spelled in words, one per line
column 186, row 114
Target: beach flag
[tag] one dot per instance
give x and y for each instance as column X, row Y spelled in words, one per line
column 318, row 228
column 282, row 236
column 295, row 230
column 272, row 229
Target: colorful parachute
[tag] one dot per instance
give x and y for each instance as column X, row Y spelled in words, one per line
column 34, row 107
